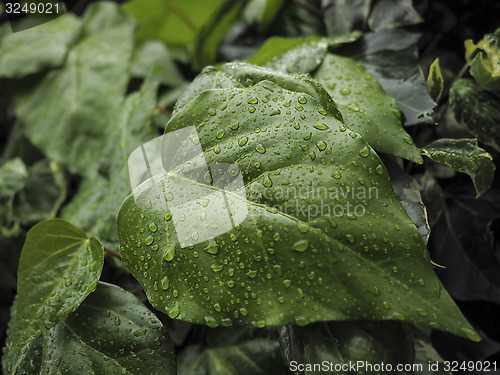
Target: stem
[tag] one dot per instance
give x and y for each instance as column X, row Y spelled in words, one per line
column 182, row 15
column 112, row 253
column 164, row 110
column 136, row 291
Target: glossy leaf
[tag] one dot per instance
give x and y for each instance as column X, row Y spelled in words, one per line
column 211, row 34
column 393, row 13
column 153, row 57
column 67, row 115
column 280, row 259
column 39, row 48
column 435, row 81
column 59, row 267
column 464, row 156
column 241, row 351
column 478, row 110
column 110, row 333
column 348, row 343
column 13, row 178
column 98, row 199
column 484, row 60
column 378, row 120
column 390, row 55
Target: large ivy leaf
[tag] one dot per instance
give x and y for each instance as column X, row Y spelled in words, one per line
column 365, row 107
column 67, row 115
column 242, row 351
column 464, row 156
column 39, row 48
column 287, row 246
column 478, row 110
column 13, row 178
column 110, row 333
column 391, row 56
column 98, row 199
column 59, row 267
column 484, row 60
column 346, row 343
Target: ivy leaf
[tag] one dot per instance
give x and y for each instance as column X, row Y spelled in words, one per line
column 346, row 342
column 67, row 115
column 36, row 49
column 391, row 56
column 242, row 351
column 464, row 155
column 13, row 178
column 484, row 61
column 344, row 17
column 393, row 13
column 478, row 110
column 59, row 267
column 98, row 199
column 111, row 332
column 435, row 81
column 378, row 120
column 211, row 34
column 287, row 247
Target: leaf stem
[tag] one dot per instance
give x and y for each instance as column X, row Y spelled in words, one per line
column 111, row 252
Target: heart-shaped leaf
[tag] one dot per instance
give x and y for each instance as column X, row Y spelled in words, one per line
column 271, row 211
column 59, row 267
column 110, row 333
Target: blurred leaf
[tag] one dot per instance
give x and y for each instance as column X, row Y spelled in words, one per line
column 407, row 190
column 391, row 56
column 67, row 115
column 262, row 13
column 393, row 13
column 299, row 19
column 13, row 178
column 285, row 164
column 111, row 332
column 484, row 61
column 432, row 197
column 211, row 34
column 10, row 250
column 98, row 199
column 435, row 81
column 478, row 110
column 241, row 351
column 378, row 120
column 425, row 354
column 464, row 155
column 152, row 57
column 347, row 342
column 39, row 48
column 171, row 21
column 342, row 17
column 43, row 195
column 59, row 267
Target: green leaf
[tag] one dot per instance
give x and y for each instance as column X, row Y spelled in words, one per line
column 378, row 119
column 391, row 56
column 425, row 353
column 393, row 13
column 211, row 34
column 241, row 351
column 344, row 17
column 153, row 57
column 39, row 48
column 435, row 81
column 340, row 343
column 478, row 110
column 43, row 195
column 262, row 13
column 59, row 267
column 98, row 199
column 13, row 178
column 110, row 333
column 484, row 61
column 464, row 155
column 173, row 22
column 67, row 115
column 277, row 252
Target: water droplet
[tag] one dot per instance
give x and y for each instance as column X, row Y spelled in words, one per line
column 164, row 283
column 253, row 100
column 117, row 321
column 345, row 91
column 252, row 273
column 321, row 126
column 149, row 240
column 174, row 312
column 422, row 312
column 379, row 169
column 217, row 307
column 242, row 141
column 365, row 152
column 287, row 283
column 321, row 145
column 336, row 175
column 275, row 112
column 39, row 312
column 350, row 238
column 303, row 227
column 302, row 100
column 251, row 109
column 212, row 112
column 301, row 245
column 276, row 236
column 217, row 267
column 170, row 253
column 152, row 227
column 260, row 149
column 408, row 140
column 353, row 107
column 220, row 134
column 375, row 291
